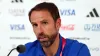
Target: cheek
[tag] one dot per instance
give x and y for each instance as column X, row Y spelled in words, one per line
column 52, row 29
column 35, row 32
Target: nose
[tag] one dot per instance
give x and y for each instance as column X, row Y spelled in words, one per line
column 39, row 29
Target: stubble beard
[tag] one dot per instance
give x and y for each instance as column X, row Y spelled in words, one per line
column 50, row 41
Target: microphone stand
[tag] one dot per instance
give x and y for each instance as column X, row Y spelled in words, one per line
column 11, row 51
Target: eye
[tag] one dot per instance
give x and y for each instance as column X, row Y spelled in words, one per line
column 45, row 22
column 34, row 25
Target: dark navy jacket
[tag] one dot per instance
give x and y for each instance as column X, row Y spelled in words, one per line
column 72, row 48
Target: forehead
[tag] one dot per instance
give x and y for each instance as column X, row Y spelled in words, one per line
column 40, row 15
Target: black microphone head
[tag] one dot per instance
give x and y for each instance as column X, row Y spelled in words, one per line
column 21, row 48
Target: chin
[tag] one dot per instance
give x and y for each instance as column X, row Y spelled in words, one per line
column 46, row 44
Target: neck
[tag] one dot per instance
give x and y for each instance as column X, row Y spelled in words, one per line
column 51, row 51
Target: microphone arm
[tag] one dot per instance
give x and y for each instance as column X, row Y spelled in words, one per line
column 19, row 48
column 11, row 51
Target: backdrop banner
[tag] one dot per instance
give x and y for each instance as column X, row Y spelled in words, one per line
column 80, row 21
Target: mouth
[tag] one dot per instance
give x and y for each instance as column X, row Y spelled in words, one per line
column 42, row 39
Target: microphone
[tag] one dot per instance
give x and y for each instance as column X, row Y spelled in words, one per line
column 19, row 48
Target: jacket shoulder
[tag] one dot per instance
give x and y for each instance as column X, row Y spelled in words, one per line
column 29, row 46
column 77, row 48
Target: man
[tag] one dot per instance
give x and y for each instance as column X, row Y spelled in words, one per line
column 46, row 22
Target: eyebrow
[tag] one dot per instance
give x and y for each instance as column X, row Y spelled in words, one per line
column 32, row 22
column 40, row 21
column 44, row 20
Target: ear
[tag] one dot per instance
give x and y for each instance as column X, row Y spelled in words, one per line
column 58, row 23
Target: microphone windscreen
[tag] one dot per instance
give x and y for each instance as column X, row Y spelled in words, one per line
column 21, row 48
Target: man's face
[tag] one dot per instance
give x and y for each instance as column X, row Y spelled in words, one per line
column 44, row 27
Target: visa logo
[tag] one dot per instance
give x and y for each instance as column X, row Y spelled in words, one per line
column 17, row 27
column 67, row 12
